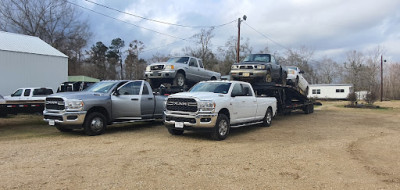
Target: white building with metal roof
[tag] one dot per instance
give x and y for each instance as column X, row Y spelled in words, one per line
column 330, row 91
column 27, row 61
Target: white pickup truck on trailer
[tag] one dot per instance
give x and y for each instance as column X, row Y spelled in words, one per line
column 216, row 106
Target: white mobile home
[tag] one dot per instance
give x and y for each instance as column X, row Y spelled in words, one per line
column 330, row 91
column 27, row 61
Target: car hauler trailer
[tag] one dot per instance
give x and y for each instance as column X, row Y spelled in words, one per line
column 288, row 98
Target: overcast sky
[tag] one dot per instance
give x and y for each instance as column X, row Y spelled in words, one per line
column 329, row 27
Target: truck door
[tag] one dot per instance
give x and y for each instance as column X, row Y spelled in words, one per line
column 203, row 74
column 193, row 71
column 27, row 94
column 147, row 101
column 126, row 101
column 243, row 107
column 16, row 95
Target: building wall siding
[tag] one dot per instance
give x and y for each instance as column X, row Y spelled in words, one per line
column 19, row 70
column 329, row 92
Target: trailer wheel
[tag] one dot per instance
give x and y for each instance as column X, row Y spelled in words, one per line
column 296, row 84
column 267, row 118
column 221, row 129
column 284, row 78
column 308, row 108
column 63, row 129
column 175, row 132
column 95, row 124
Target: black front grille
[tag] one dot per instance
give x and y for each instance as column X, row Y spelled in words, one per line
column 182, row 104
column 157, row 67
column 59, row 118
column 55, row 104
column 246, row 67
column 180, row 119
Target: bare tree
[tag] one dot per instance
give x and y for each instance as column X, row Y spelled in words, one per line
column 156, row 58
column 328, row 71
column 228, row 54
column 203, row 49
column 392, row 81
column 54, row 21
column 134, row 67
column 301, row 58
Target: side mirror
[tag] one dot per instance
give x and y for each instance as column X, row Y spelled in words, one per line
column 116, row 93
column 301, row 72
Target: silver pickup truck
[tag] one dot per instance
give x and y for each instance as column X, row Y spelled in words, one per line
column 179, row 71
column 103, row 103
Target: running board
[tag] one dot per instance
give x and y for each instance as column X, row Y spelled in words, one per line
column 246, row 124
column 132, row 121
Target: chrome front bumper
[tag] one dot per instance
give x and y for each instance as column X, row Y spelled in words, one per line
column 160, row 74
column 243, row 73
column 201, row 120
column 64, row 118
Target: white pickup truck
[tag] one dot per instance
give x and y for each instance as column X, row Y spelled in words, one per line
column 216, row 106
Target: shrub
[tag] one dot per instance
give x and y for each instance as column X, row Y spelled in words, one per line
column 352, row 97
column 370, row 98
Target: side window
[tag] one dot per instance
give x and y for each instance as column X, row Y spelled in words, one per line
column 132, row 88
column 17, row 93
column 247, row 90
column 145, row 90
column 273, row 60
column 27, row 92
column 42, row 92
column 237, row 90
column 193, row 63
column 201, row 64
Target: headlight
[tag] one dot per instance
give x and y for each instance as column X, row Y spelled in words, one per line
column 169, row 67
column 74, row 105
column 291, row 72
column 235, row 67
column 148, row 68
column 261, row 67
column 206, row 106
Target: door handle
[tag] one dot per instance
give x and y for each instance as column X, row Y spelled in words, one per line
column 149, row 98
column 134, row 99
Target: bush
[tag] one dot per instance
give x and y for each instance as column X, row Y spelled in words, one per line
column 352, row 97
column 370, row 98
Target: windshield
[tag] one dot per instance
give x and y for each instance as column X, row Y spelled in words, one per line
column 258, row 58
column 101, row 87
column 183, row 60
column 293, row 68
column 216, row 87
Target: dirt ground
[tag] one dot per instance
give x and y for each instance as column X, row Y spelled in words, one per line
column 333, row 148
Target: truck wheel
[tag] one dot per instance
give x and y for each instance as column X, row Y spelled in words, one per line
column 284, row 76
column 63, row 129
column 175, row 132
column 307, row 109
column 268, row 77
column 95, row 124
column 179, row 80
column 221, row 129
column 267, row 118
column 296, row 84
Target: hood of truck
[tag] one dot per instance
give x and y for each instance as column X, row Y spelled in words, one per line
column 198, row 95
column 83, row 95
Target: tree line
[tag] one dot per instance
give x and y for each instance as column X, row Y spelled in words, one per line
column 58, row 23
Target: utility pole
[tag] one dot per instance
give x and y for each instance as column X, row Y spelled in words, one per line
column 382, row 77
column 238, row 42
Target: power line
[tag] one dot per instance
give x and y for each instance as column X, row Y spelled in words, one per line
column 267, row 37
column 126, row 21
column 153, row 20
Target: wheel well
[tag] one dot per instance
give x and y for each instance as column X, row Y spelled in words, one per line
column 213, row 78
column 99, row 110
column 225, row 112
column 181, row 71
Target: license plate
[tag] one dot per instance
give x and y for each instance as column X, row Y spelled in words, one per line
column 178, row 124
column 52, row 122
column 246, row 74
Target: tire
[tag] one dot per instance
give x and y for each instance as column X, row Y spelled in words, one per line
column 221, row 128
column 213, row 78
column 306, row 92
column 296, row 83
column 95, row 124
column 284, row 80
column 268, row 77
column 307, row 109
column 267, row 118
column 63, row 129
column 179, row 80
column 175, row 131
